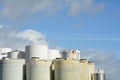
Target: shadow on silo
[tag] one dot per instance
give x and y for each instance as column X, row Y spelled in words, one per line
column 1, row 69
column 52, row 72
column 24, row 72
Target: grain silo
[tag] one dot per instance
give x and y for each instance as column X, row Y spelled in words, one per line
column 74, row 54
column 40, row 51
column 84, row 70
column 100, row 75
column 91, row 68
column 16, row 54
column 67, row 69
column 38, row 69
column 13, row 69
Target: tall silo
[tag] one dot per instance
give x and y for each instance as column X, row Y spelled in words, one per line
column 91, row 67
column 67, row 69
column 40, row 51
column 4, row 51
column 53, row 54
column 53, row 67
column 84, row 69
column 13, row 69
column 100, row 75
column 38, row 69
column 74, row 54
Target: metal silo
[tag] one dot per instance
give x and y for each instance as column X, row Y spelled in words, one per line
column 100, row 75
column 67, row 69
column 84, row 70
column 40, row 51
column 38, row 69
column 13, row 69
column 53, row 54
column 74, row 54
column 91, row 67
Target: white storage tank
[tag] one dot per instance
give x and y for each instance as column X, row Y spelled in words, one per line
column 16, row 54
column 13, row 69
column 74, row 54
column 53, row 54
column 40, row 51
column 38, row 69
column 4, row 51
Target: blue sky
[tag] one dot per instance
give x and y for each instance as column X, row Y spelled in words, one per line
column 99, row 30
column 91, row 26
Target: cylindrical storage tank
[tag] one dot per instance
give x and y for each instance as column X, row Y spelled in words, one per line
column 38, row 69
column 13, row 69
column 74, row 54
column 53, row 68
column 67, row 69
column 100, row 75
column 40, row 51
column 91, row 67
column 53, row 54
column 4, row 51
column 84, row 70
column 16, row 55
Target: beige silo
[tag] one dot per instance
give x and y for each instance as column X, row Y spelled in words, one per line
column 67, row 69
column 91, row 68
column 84, row 75
column 38, row 69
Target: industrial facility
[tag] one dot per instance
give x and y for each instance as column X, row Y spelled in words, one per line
column 38, row 62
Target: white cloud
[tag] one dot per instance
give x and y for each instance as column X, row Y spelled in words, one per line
column 22, row 9
column 86, row 6
column 104, row 60
column 32, row 35
column 12, row 38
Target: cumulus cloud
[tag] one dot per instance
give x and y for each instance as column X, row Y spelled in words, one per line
column 12, row 38
column 22, row 9
column 32, row 35
column 104, row 60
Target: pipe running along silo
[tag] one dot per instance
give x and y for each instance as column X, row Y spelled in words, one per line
column 13, row 69
column 84, row 71
column 67, row 69
column 91, row 67
column 38, row 69
column 53, row 54
column 74, row 54
column 40, row 51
